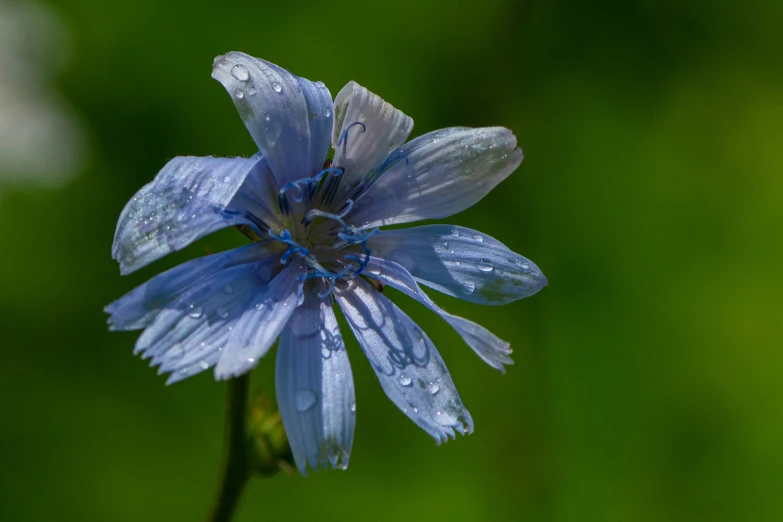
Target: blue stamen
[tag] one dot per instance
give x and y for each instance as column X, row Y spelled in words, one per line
column 282, row 202
column 391, row 158
column 312, row 214
column 344, row 134
column 293, row 247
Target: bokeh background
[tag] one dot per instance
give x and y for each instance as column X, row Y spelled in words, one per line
column 648, row 376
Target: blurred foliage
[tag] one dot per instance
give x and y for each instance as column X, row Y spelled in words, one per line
column 647, row 384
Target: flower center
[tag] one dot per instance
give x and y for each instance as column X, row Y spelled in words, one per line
column 331, row 248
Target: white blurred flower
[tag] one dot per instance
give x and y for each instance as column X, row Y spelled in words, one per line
column 41, row 141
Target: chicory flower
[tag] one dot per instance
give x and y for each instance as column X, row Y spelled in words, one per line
column 315, row 224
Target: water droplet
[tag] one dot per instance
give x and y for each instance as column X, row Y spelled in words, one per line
column 222, row 312
column 277, row 87
column 457, row 262
column 203, row 365
column 404, row 379
column 470, row 286
column 304, row 400
column 477, row 237
column 226, row 179
column 353, row 407
column 415, row 410
column 327, row 113
column 251, row 91
column 521, row 264
column 445, row 244
column 251, row 360
column 433, row 388
column 194, row 311
column 485, row 265
column 240, row 72
column 455, row 232
column 228, row 289
column 320, row 84
column 326, row 352
column 239, row 93
column 300, row 297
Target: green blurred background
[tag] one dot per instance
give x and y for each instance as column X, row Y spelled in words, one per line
column 647, row 384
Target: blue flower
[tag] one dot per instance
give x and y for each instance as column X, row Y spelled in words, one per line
column 316, row 243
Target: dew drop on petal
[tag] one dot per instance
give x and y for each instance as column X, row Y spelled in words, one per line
column 251, row 360
column 433, row 388
column 277, row 87
column 353, row 407
column 240, row 72
column 203, row 365
column 521, row 264
column 457, row 262
column 470, row 286
column 326, row 352
column 415, row 410
column 485, row 265
column 222, row 312
column 251, row 91
column 445, row 244
column 477, row 237
column 239, row 94
column 194, row 311
column 320, row 84
column 304, row 400
column 404, row 379
column 327, row 113
column 455, row 232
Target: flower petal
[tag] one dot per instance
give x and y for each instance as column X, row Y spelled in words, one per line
column 408, row 366
column 492, row 350
column 314, row 384
column 289, row 118
column 139, row 307
column 185, row 201
column 460, row 262
column 437, row 175
column 190, row 332
column 261, row 322
column 366, row 130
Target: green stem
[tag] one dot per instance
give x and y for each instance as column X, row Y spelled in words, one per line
column 236, row 468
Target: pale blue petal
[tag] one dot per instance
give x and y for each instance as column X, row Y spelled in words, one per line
column 320, row 113
column 460, row 262
column 289, row 118
column 263, row 319
column 315, row 386
column 256, row 200
column 191, row 331
column 186, row 201
column 366, row 130
column 140, row 306
column 439, row 174
column 408, row 366
column 493, row 350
